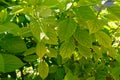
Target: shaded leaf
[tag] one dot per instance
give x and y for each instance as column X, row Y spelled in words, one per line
column 13, row 44
column 69, row 76
column 9, row 63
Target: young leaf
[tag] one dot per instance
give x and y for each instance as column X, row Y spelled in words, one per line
column 66, row 29
column 41, row 49
column 43, row 69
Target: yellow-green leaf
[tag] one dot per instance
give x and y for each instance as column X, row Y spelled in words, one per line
column 103, row 39
column 41, row 49
column 43, row 69
column 67, row 48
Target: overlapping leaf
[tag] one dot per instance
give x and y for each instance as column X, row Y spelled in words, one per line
column 9, row 63
column 103, row 39
column 66, row 29
column 43, row 69
column 67, row 48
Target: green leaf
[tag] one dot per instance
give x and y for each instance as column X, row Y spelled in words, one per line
column 115, row 10
column 84, row 51
column 13, row 44
column 52, row 52
column 50, row 3
column 88, row 2
column 2, row 66
column 45, row 11
column 84, row 13
column 67, row 48
column 9, row 63
column 53, row 68
column 60, row 74
column 66, row 29
column 41, row 49
column 83, row 37
column 25, row 32
column 10, row 28
column 59, row 59
column 36, row 31
column 29, row 51
column 116, row 73
column 91, row 78
column 51, row 37
column 95, row 25
column 43, row 69
column 30, row 58
column 103, row 39
column 69, row 76
column 3, row 15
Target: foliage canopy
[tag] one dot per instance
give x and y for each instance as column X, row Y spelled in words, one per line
column 59, row 39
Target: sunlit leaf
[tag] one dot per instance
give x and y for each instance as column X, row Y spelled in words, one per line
column 83, row 37
column 66, row 29
column 67, row 48
column 41, row 49
column 43, row 69
column 103, row 39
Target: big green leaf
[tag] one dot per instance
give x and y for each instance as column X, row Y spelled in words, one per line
column 103, row 39
column 67, row 48
column 43, row 69
column 9, row 63
column 10, row 28
column 66, row 29
column 13, row 44
column 83, row 37
column 41, row 49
